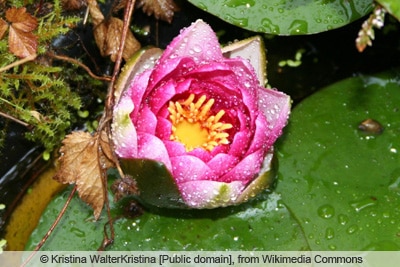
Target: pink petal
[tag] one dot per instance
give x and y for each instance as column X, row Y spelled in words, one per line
column 146, row 121
column 174, row 148
column 163, row 130
column 210, row 194
column 188, row 168
column 137, row 90
column 123, row 130
column 261, row 138
column 247, row 169
column 151, row 147
column 197, row 41
column 276, row 108
column 239, row 144
column 221, row 164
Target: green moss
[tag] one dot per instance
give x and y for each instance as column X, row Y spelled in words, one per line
column 43, row 93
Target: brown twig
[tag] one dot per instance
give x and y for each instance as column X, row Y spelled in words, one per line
column 19, row 62
column 80, row 64
column 14, row 119
column 52, row 227
column 107, row 116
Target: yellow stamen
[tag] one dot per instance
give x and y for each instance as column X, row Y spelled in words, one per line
column 194, row 126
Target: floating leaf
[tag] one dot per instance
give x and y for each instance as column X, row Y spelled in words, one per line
column 287, row 17
column 338, row 188
column 162, row 9
column 342, row 182
column 83, row 161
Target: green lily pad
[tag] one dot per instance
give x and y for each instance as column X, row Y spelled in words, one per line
column 287, row 17
column 261, row 225
column 338, row 188
column 343, row 184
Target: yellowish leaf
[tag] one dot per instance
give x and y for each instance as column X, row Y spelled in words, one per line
column 84, row 160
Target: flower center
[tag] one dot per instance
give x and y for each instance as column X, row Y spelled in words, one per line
column 194, row 126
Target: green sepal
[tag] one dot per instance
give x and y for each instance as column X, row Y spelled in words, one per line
column 156, row 185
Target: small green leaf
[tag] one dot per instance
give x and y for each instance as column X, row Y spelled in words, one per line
column 287, row 17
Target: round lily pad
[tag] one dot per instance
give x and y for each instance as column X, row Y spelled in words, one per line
column 287, row 17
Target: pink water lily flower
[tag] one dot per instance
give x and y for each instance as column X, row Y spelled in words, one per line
column 204, row 117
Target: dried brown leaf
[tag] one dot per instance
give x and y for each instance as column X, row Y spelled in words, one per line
column 22, row 44
column 73, row 4
column 108, row 38
column 83, row 161
column 162, row 9
column 3, row 27
column 21, row 20
column 21, row 41
column 95, row 12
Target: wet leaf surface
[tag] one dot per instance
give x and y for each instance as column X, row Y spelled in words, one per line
column 272, row 16
column 344, row 182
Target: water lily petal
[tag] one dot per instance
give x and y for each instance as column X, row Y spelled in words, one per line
column 222, row 163
column 210, row 194
column 246, row 169
column 146, row 121
column 197, row 41
column 151, row 147
column 188, row 168
column 239, row 144
column 137, row 89
column 163, row 130
column 262, row 138
column 276, row 107
column 124, row 132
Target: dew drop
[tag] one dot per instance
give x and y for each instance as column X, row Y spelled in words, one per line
column 363, row 203
column 343, row 219
column 326, row 211
column 329, row 233
column 352, row 229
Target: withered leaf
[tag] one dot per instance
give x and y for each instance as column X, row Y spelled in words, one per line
column 83, row 161
column 22, row 44
column 21, row 20
column 107, row 34
column 3, row 27
column 95, row 12
column 73, row 4
column 108, row 38
column 162, row 9
column 21, row 41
